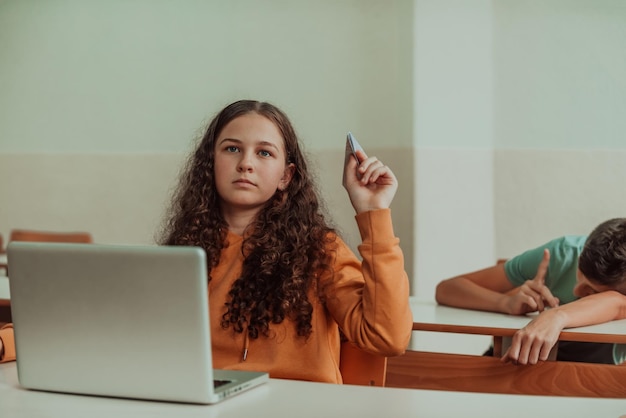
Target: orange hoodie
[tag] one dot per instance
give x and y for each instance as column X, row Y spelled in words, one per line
column 6, row 336
column 369, row 302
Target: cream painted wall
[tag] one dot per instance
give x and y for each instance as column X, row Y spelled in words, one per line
column 560, row 101
column 119, row 198
column 454, row 139
column 453, row 123
column 101, row 100
column 519, row 131
column 559, row 74
column 143, row 75
column 544, row 194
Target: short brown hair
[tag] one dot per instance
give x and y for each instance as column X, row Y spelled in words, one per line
column 603, row 259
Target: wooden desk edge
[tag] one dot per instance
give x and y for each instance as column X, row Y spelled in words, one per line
column 470, row 373
column 508, row 332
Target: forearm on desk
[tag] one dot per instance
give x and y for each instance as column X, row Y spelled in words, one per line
column 463, row 293
column 590, row 310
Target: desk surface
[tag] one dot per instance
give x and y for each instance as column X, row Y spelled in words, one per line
column 429, row 316
column 284, row 398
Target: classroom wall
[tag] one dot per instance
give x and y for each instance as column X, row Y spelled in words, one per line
column 101, row 100
column 453, row 125
column 519, row 131
column 502, row 119
column 560, row 101
column 521, row 106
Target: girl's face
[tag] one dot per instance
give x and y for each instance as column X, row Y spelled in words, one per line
column 249, row 165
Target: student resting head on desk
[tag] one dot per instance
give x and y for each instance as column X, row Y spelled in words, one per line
column 282, row 283
column 581, row 279
column 7, row 344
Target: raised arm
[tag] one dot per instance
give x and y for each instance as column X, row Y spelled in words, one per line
column 370, row 184
column 369, row 299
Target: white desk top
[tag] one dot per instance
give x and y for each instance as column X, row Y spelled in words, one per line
column 429, row 312
column 284, row 398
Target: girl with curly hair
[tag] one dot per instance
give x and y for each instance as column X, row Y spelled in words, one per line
column 283, row 285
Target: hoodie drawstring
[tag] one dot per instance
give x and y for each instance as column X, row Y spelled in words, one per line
column 246, row 343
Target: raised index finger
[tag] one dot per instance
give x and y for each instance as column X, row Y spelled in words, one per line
column 540, row 277
column 540, row 281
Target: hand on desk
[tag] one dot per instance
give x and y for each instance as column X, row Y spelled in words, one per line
column 533, row 295
column 534, row 342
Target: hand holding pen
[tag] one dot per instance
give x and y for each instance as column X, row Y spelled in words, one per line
column 370, row 184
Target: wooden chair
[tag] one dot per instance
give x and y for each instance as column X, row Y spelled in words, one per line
column 5, row 312
column 468, row 373
column 359, row 367
column 48, row 236
column 3, row 264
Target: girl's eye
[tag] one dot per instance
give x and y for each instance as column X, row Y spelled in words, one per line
column 231, row 148
column 264, row 153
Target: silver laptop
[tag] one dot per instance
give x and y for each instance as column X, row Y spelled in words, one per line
column 116, row 320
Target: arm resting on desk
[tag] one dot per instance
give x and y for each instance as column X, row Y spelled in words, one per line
column 482, row 290
column 585, row 311
column 535, row 340
column 7, row 348
column 491, row 290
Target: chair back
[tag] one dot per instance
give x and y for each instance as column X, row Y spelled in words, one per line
column 48, row 236
column 359, row 367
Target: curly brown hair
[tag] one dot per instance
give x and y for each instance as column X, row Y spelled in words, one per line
column 287, row 246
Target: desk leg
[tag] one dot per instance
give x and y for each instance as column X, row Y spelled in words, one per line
column 5, row 310
column 497, row 346
column 552, row 355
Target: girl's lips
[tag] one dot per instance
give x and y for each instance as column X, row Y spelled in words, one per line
column 244, row 181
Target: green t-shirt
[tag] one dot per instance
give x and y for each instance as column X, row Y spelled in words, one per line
column 561, row 275
column 561, row 280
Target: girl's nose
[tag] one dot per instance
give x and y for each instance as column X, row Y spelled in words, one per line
column 245, row 163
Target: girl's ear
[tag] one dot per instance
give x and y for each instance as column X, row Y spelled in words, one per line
column 287, row 176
